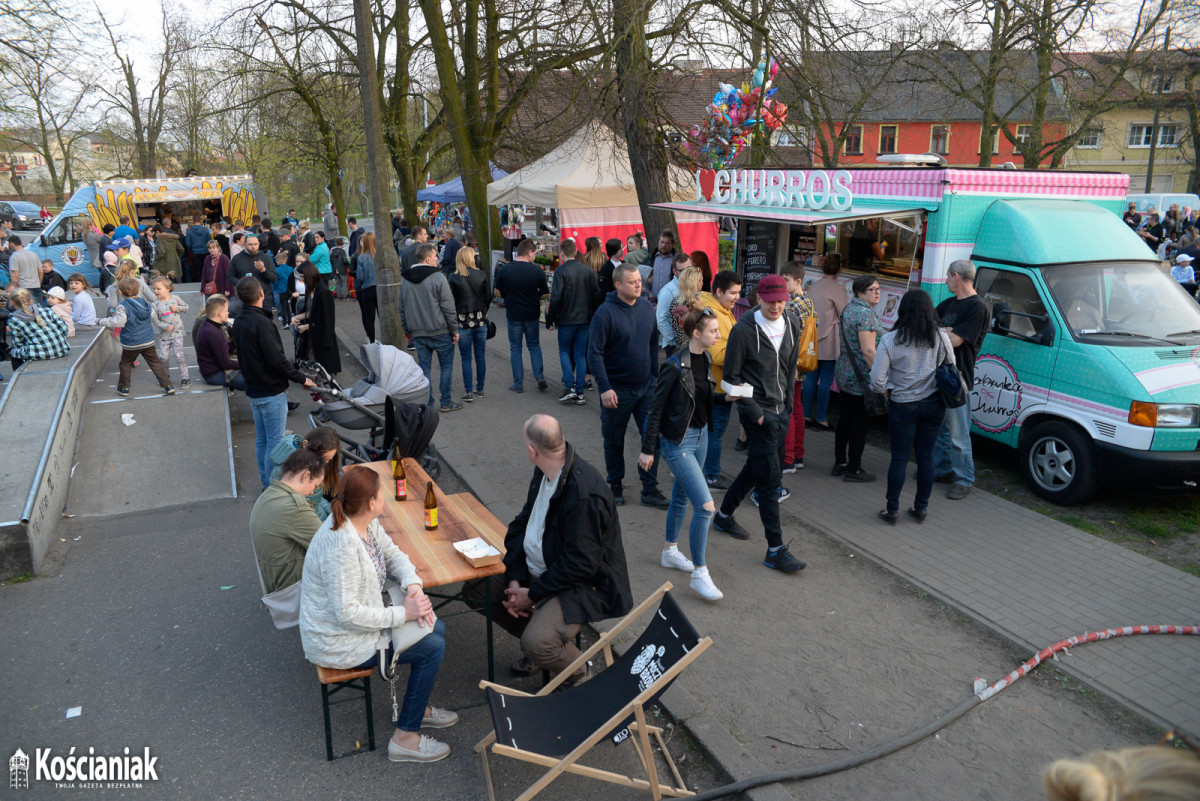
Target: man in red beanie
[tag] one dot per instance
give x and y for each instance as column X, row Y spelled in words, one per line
column 760, row 371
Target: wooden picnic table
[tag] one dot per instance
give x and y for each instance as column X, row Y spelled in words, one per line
column 460, row 517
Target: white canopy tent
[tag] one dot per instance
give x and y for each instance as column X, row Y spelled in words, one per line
column 588, row 178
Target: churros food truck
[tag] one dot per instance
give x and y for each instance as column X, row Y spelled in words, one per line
column 1091, row 367
column 143, row 202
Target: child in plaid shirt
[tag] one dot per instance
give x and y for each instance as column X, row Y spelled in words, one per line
column 169, row 327
column 36, row 332
column 802, row 306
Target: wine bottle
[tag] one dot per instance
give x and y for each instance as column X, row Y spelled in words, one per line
column 431, row 509
column 398, row 472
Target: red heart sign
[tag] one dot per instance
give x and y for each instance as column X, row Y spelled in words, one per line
column 708, row 182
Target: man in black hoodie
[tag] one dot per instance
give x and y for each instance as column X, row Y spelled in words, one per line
column 623, row 356
column 763, row 349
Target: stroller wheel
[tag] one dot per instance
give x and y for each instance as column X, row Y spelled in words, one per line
column 431, row 466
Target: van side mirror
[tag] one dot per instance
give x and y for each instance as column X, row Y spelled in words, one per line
column 42, row 241
column 1002, row 315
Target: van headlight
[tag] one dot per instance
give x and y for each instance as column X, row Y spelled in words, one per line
column 1164, row 415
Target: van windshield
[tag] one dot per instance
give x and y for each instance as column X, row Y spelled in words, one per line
column 1130, row 303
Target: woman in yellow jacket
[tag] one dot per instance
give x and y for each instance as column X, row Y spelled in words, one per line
column 726, row 288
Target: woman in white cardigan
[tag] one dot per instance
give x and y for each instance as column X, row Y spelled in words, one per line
column 343, row 618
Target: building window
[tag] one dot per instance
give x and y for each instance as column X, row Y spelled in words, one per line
column 1142, row 133
column 1090, row 138
column 1161, row 82
column 853, row 140
column 995, row 141
column 785, row 139
column 939, row 139
column 887, row 138
column 1023, row 134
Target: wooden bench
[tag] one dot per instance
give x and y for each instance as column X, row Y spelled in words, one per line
column 333, row 681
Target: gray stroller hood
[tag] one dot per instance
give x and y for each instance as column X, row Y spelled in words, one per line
column 390, row 372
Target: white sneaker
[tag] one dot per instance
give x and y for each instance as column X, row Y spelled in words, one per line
column 428, row 750
column 675, row 558
column 703, row 586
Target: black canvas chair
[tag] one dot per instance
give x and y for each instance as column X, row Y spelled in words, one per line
column 556, row 730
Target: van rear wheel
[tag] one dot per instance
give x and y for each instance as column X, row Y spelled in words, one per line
column 1059, row 463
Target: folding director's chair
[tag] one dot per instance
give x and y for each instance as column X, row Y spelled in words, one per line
column 556, row 730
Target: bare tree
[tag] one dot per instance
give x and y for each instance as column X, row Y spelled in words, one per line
column 48, row 108
column 145, row 112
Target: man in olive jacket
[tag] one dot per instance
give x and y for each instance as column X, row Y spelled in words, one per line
column 565, row 563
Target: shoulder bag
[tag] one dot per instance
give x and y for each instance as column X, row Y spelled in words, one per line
column 876, row 402
column 949, row 380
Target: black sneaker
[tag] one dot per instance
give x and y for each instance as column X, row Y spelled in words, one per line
column 293, row 406
column 944, row 478
column 656, row 499
column 588, row 386
column 568, row 396
column 838, row 470
column 718, row 483
column 170, row 390
column 783, row 561
column 740, row 445
column 730, row 527
column 523, row 667
column 123, row 392
column 479, row 393
column 452, row 406
column 542, row 385
column 580, row 400
column 618, row 494
column 860, row 475
column 185, row 383
column 468, row 397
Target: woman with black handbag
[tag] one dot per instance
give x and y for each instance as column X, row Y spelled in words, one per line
column 906, row 368
column 860, row 331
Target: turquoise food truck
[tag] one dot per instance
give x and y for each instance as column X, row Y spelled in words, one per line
column 1091, row 367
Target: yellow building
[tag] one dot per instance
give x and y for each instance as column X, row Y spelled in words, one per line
column 1120, row 139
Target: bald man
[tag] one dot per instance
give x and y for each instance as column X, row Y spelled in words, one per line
column 565, row 563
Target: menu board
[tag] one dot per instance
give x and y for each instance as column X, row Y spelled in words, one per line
column 756, row 253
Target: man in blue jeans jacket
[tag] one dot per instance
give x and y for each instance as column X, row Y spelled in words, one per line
column 623, row 356
column 523, row 286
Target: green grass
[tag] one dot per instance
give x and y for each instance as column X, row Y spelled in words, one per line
column 1083, row 525
column 18, row 579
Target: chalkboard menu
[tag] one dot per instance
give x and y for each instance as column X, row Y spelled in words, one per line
column 756, row 252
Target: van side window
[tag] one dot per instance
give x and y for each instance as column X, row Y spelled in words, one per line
column 69, row 229
column 1018, row 291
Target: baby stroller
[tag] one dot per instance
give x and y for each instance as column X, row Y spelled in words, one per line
column 389, row 404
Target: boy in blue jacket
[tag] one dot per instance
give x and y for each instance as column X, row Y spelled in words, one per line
column 133, row 316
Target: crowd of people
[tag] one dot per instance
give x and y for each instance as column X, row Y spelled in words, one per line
column 1174, row 237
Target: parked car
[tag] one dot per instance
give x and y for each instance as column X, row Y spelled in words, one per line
column 22, row 213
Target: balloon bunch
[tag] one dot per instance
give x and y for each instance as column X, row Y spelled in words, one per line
column 733, row 116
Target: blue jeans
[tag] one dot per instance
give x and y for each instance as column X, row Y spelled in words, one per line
column 684, row 460
column 281, row 303
column 444, row 347
column 532, row 334
column 718, row 423
column 762, row 472
column 952, row 451
column 817, row 385
column 425, row 656
column 270, row 419
column 913, row 426
column 635, row 402
column 219, row 380
column 572, row 349
column 473, row 340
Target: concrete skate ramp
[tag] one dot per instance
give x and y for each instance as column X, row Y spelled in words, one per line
column 178, row 450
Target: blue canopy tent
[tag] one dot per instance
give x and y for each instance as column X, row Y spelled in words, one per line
column 452, row 191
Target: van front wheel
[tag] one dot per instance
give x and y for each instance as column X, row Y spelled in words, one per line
column 1059, row 463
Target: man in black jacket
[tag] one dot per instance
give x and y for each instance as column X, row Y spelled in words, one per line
column 266, row 371
column 256, row 263
column 763, row 349
column 564, row 563
column 573, row 300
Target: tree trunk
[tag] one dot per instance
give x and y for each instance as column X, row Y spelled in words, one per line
column 643, row 139
column 387, row 262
